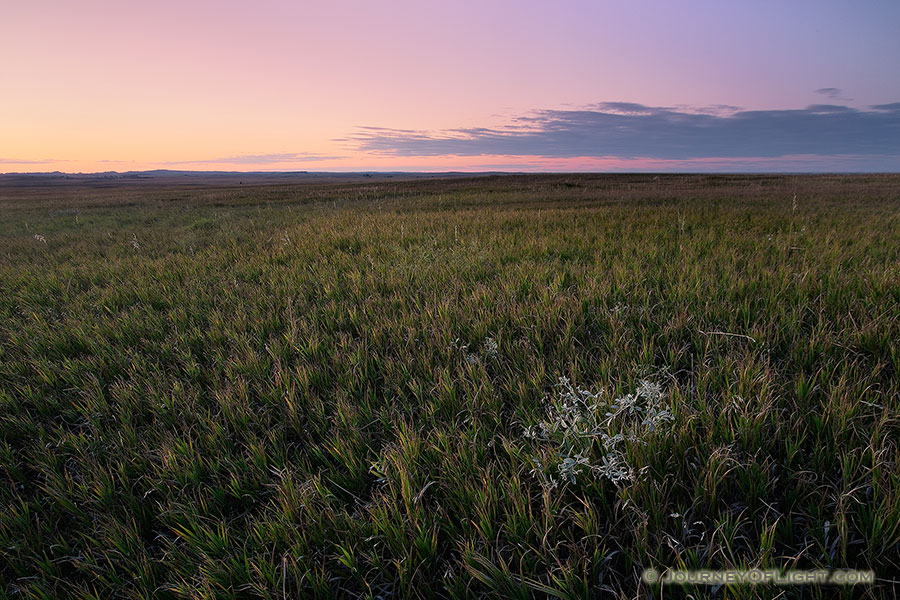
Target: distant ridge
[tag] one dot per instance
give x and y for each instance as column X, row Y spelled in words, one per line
column 214, row 177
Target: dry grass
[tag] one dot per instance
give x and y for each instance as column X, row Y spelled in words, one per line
column 278, row 391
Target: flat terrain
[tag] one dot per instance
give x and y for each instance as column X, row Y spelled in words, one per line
column 503, row 386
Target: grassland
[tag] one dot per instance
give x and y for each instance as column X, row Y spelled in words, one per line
column 326, row 389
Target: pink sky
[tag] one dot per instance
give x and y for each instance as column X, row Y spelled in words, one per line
column 102, row 85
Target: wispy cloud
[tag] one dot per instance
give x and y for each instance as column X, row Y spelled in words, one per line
column 257, row 159
column 628, row 130
column 832, row 93
column 21, row 161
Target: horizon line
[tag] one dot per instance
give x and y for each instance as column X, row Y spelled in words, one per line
column 442, row 172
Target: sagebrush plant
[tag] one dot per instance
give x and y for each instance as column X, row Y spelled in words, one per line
column 263, row 399
column 586, row 434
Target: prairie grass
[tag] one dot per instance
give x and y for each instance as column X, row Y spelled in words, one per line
column 326, row 390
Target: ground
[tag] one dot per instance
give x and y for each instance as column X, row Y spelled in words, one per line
column 414, row 387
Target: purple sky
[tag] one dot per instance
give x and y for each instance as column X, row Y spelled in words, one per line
column 569, row 85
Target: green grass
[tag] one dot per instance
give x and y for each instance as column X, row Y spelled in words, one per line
column 268, row 396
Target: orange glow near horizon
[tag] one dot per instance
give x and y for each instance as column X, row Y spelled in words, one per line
column 281, row 86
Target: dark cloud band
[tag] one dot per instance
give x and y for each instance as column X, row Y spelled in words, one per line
column 629, row 130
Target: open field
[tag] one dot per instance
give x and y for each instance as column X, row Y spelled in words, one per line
column 354, row 388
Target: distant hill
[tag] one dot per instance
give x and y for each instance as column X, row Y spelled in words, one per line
column 209, row 177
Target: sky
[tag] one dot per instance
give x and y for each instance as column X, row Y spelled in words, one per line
column 274, row 85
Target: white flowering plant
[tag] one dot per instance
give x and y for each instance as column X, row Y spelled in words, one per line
column 585, row 434
column 489, row 350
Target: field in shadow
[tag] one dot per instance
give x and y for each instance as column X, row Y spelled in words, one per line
column 504, row 385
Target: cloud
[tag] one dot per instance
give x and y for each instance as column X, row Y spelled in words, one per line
column 19, row 161
column 629, row 130
column 783, row 164
column 257, row 159
column 830, row 92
